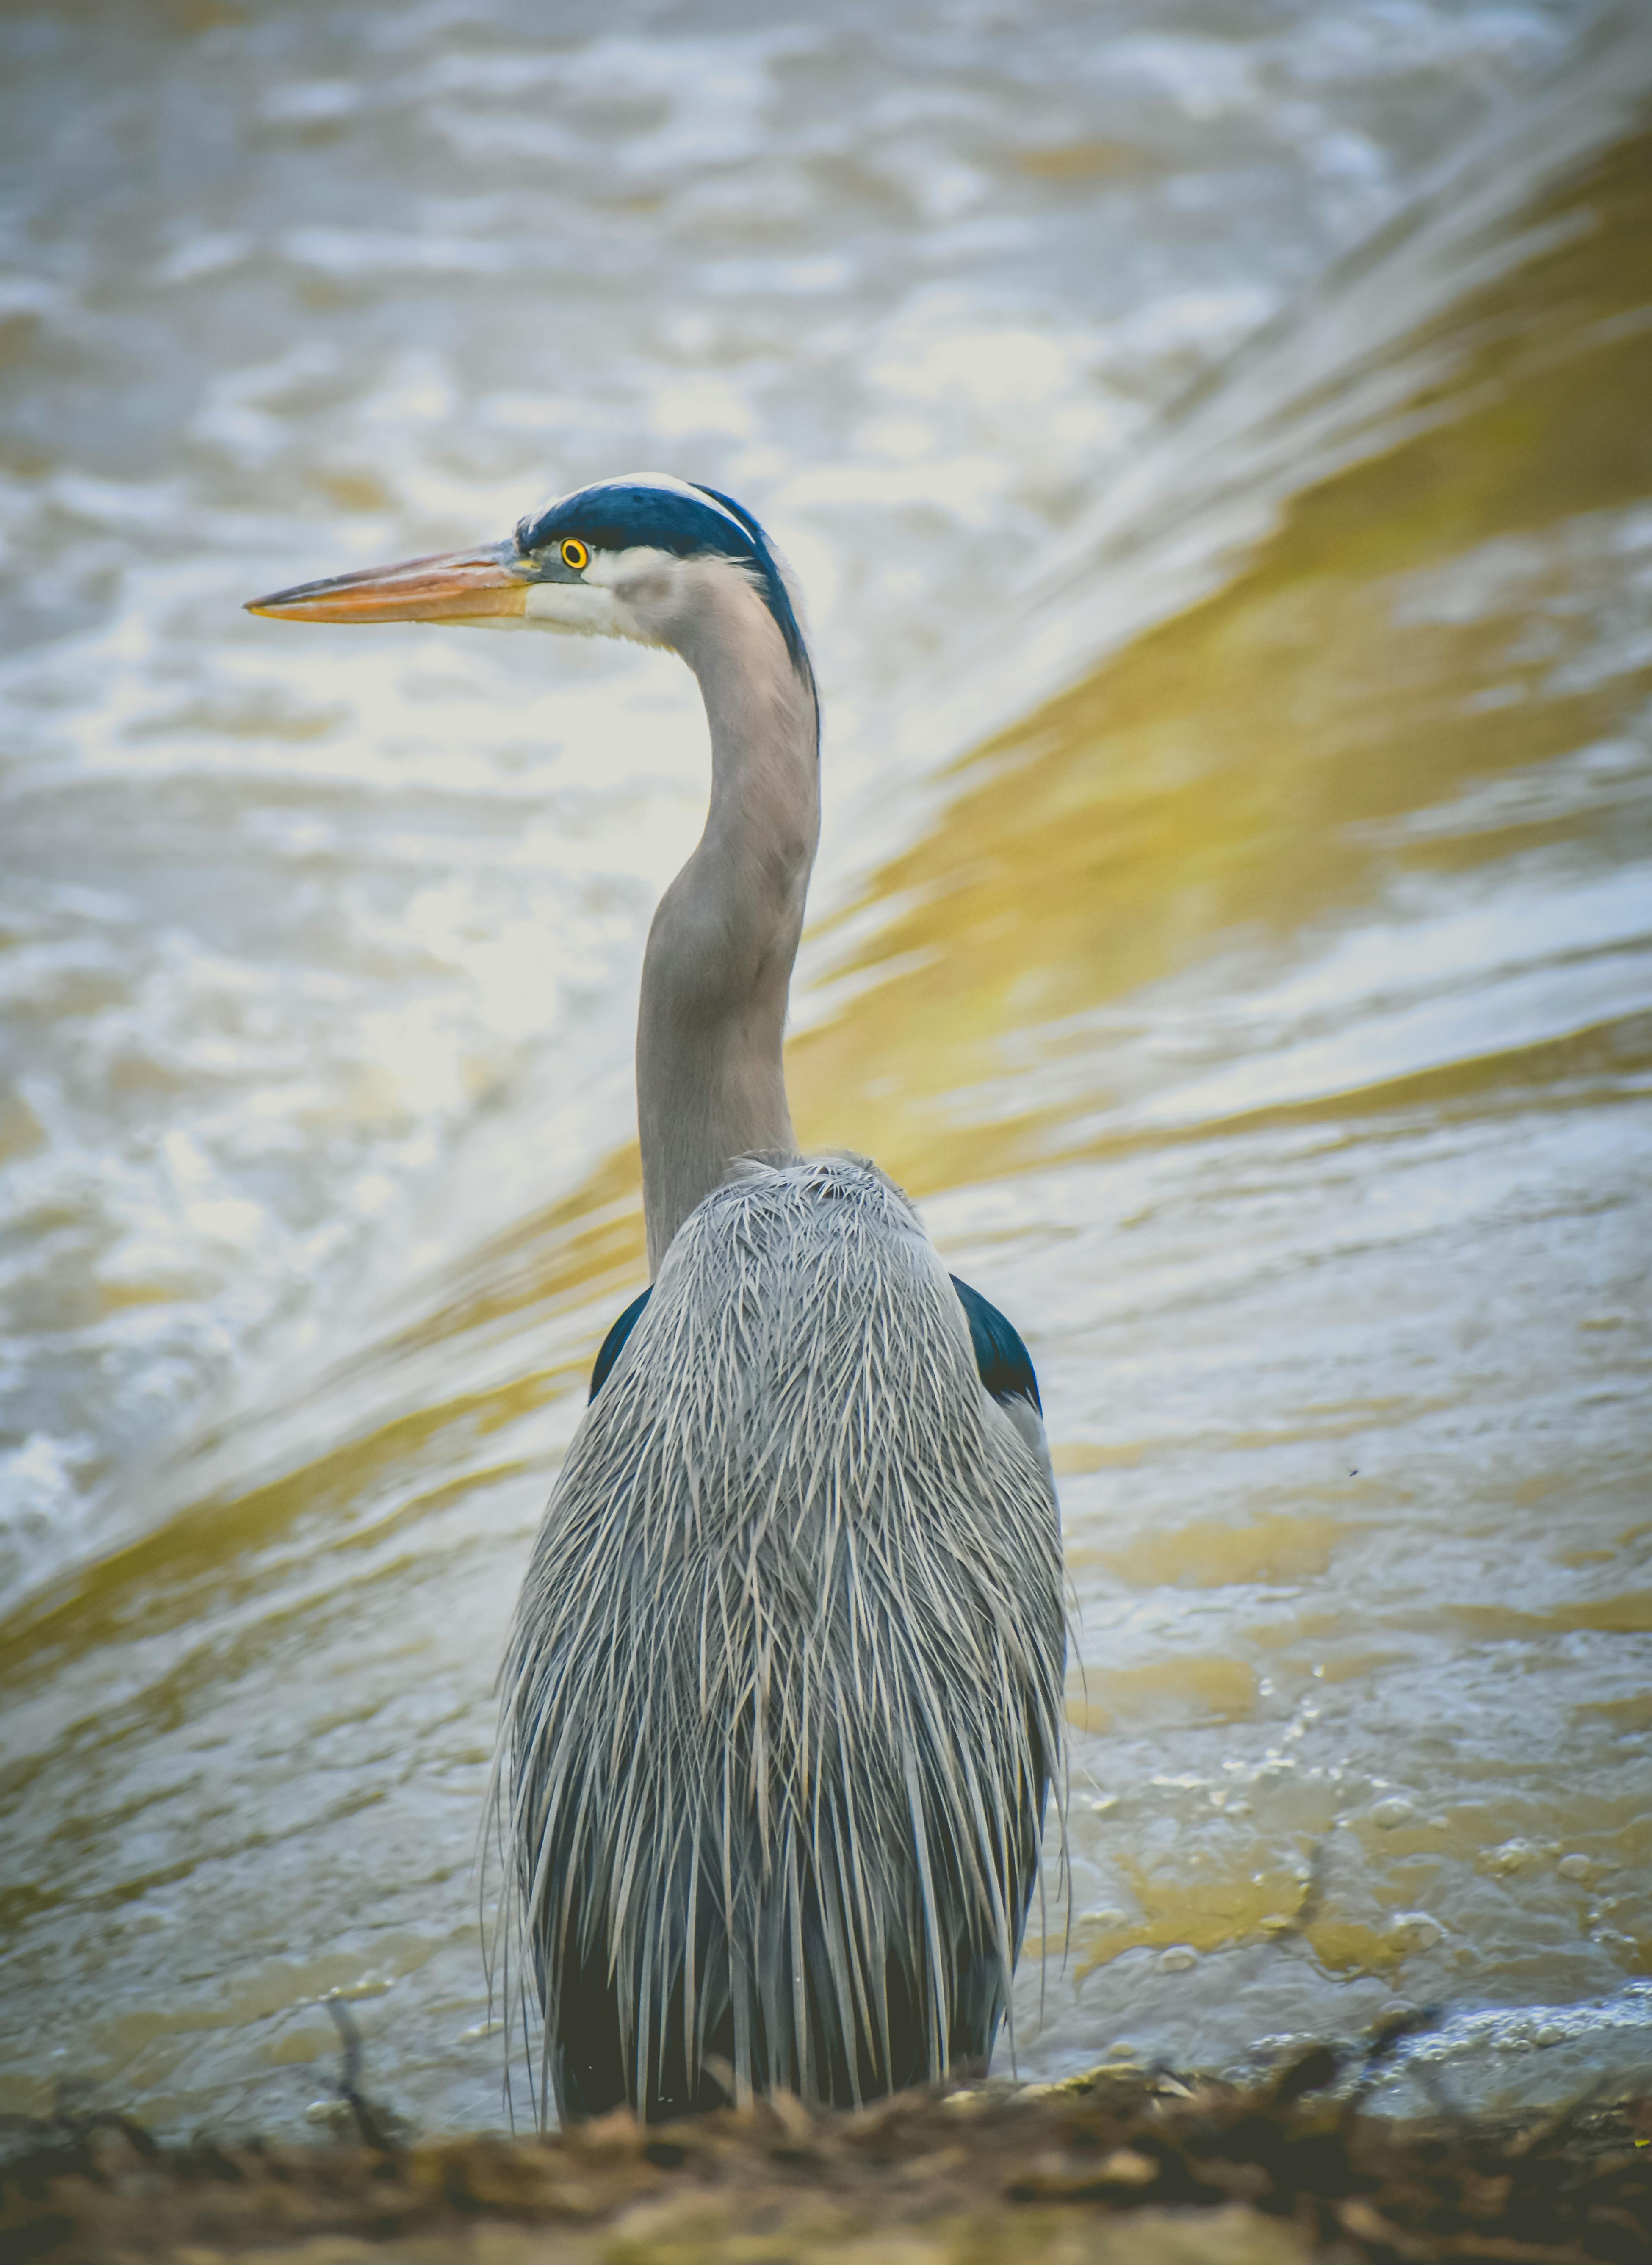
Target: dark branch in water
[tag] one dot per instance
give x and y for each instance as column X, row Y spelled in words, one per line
column 1390, row 2034
column 67, row 2130
column 1384, row 2042
column 1311, row 2071
column 371, row 2121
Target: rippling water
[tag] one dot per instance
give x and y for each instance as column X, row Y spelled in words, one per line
column 1213, row 442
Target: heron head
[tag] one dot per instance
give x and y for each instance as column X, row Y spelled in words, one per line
column 644, row 556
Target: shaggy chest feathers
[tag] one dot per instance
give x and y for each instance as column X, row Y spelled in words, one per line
column 781, row 1726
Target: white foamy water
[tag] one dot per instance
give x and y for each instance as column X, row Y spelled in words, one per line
column 284, row 913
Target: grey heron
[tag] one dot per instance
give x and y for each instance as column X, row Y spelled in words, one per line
column 782, row 1702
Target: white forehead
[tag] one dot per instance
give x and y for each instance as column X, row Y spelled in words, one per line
column 665, row 483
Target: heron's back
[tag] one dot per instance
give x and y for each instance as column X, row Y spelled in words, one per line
column 783, row 1693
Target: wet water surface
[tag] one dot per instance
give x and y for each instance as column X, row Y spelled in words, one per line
column 1236, row 927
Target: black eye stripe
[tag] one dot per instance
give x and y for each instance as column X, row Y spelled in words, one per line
column 688, row 523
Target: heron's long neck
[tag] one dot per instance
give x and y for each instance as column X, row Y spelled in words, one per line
column 710, row 1087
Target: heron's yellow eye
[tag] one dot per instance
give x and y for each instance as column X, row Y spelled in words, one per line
column 574, row 554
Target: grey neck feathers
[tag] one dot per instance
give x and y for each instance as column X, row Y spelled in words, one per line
column 710, row 1087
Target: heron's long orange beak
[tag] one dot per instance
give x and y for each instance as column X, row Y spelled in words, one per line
column 460, row 586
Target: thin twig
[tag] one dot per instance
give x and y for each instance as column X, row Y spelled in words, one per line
column 373, row 2130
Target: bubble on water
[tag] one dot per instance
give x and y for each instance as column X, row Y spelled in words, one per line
column 1512, row 1856
column 1178, row 1958
column 1528, row 2028
column 1414, row 1930
column 1390, row 1814
column 370, row 1985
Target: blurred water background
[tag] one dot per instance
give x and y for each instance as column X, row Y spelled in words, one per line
column 1212, row 437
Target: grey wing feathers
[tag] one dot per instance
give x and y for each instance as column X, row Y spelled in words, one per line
column 782, row 1699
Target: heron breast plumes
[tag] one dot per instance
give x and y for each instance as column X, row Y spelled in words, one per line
column 779, row 1722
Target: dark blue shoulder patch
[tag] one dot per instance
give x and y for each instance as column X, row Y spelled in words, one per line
column 1004, row 1362
column 1005, row 1365
column 614, row 1341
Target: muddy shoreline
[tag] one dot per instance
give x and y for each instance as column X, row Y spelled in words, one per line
column 1110, row 2166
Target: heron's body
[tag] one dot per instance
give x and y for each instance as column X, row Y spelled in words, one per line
column 782, row 1695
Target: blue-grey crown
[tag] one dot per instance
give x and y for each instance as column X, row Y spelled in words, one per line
column 666, row 515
